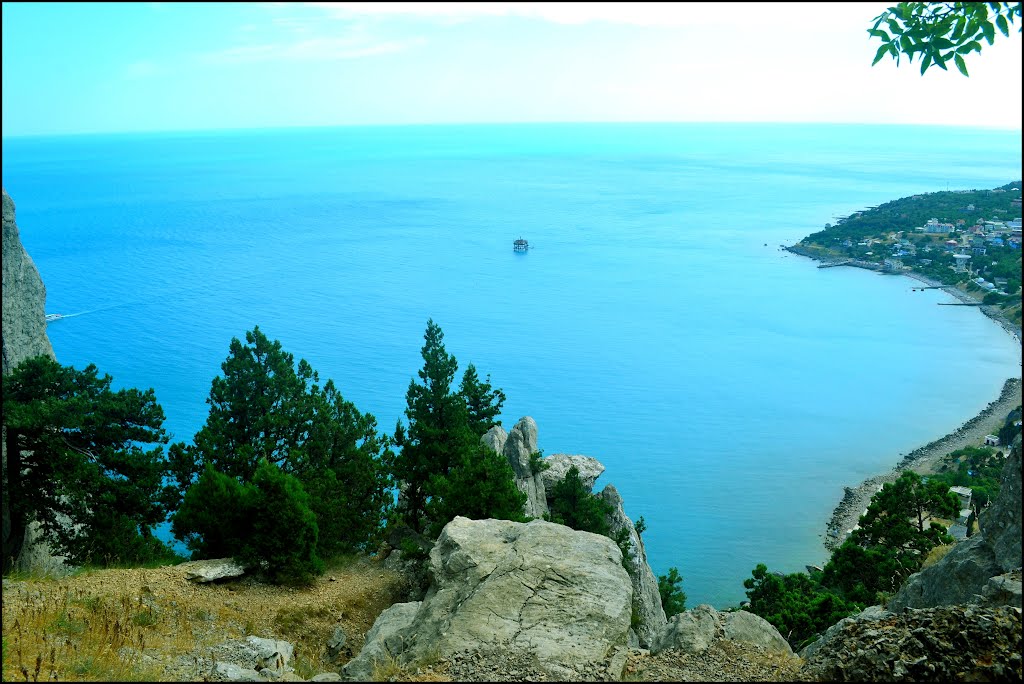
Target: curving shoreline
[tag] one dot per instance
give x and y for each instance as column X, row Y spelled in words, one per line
column 924, row 459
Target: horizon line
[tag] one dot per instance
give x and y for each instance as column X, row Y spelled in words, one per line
column 254, row 129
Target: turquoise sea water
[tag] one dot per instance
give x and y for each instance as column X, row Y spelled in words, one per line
column 731, row 389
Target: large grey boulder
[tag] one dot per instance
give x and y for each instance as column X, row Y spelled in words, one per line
column 559, row 595
column 517, row 446
column 203, row 571
column 23, row 332
column 385, row 640
column 963, row 574
column 694, row 631
column 558, row 465
column 959, row 577
column 646, row 597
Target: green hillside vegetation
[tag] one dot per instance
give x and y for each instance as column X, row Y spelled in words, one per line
column 891, row 542
column 891, row 230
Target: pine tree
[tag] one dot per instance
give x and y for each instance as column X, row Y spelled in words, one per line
column 79, row 452
column 574, row 505
column 483, row 404
column 438, row 435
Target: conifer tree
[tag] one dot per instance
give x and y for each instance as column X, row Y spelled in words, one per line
column 481, row 486
column 80, row 452
column 438, row 435
column 483, row 404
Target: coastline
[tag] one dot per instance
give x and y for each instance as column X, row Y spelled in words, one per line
column 925, row 459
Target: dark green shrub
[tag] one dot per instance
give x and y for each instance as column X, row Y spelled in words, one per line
column 213, row 519
column 284, row 530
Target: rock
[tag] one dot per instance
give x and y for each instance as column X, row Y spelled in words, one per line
column 1003, row 590
column 958, row 577
column 559, row 464
column 869, row 613
column 230, row 672
column 211, row 570
column 326, row 677
column 336, row 642
column 650, row 616
column 695, row 631
column 691, row 631
column 384, row 640
column 23, row 332
column 1001, row 522
column 517, row 447
column 24, row 298
column 495, row 438
column 947, row 643
column 270, row 654
column 559, row 595
column 747, row 628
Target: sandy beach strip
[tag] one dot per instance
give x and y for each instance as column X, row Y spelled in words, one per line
column 922, row 460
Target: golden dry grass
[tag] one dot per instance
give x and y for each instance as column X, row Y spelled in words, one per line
column 936, row 554
column 101, row 625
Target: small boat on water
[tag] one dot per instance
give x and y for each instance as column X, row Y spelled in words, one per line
column 54, row 317
column 520, row 245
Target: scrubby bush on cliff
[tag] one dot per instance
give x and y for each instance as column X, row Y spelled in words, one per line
column 80, row 452
column 574, row 505
column 265, row 406
column 673, row 598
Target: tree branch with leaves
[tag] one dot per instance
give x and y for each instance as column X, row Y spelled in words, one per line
column 940, row 32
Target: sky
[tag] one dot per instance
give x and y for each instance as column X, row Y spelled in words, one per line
column 134, row 67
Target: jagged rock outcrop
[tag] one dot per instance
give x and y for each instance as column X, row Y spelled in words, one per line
column 695, row 631
column 558, row 465
column 24, row 336
column 559, row 595
column 384, row 640
column 944, row 644
column 649, row 614
column 24, row 298
column 517, row 446
column 964, row 573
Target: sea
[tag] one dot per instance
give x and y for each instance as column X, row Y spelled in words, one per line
column 730, row 388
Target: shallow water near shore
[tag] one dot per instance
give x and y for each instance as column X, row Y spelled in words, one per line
column 731, row 389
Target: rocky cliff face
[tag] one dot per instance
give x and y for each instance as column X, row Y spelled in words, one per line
column 24, row 336
column 24, row 298
column 649, row 615
column 517, row 446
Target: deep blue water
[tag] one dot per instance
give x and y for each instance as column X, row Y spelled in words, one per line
column 731, row 389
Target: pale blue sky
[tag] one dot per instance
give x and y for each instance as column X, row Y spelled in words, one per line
column 120, row 67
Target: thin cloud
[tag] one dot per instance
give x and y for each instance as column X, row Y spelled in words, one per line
column 658, row 14
column 313, row 49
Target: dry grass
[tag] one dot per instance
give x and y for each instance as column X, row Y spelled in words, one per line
column 126, row 625
column 936, row 554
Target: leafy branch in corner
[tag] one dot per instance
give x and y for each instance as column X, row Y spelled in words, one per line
column 940, row 32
